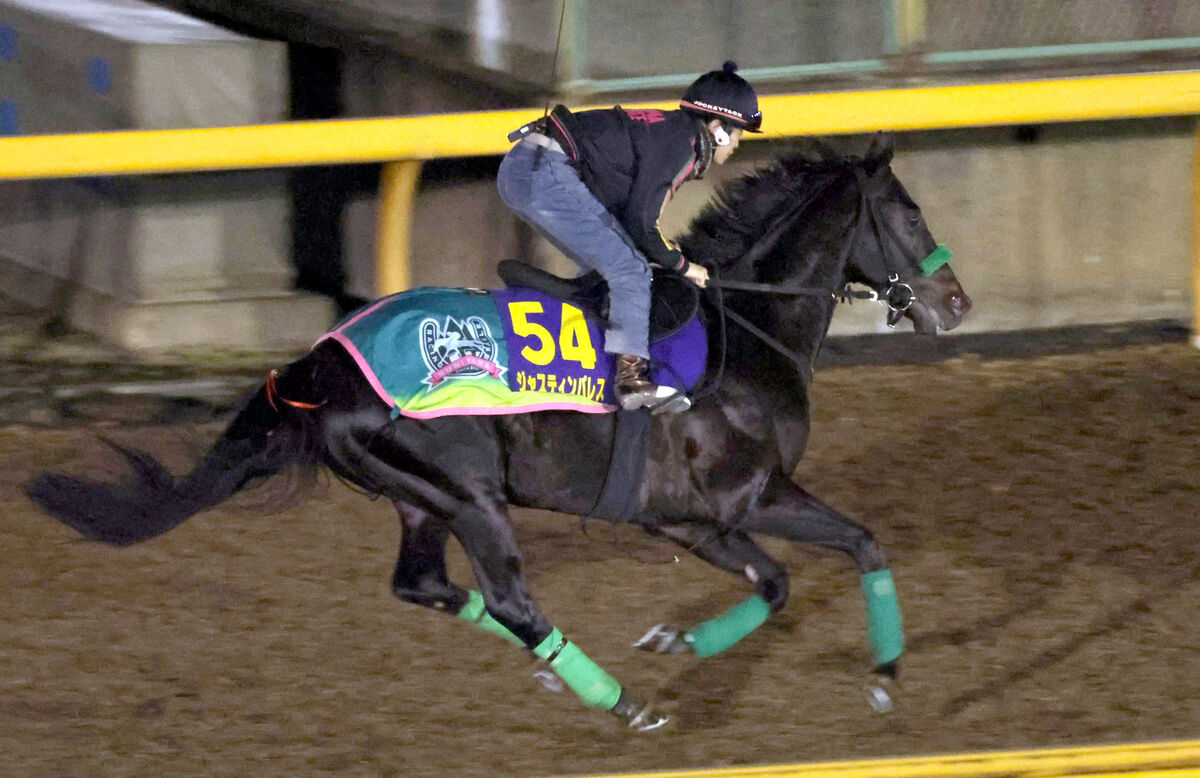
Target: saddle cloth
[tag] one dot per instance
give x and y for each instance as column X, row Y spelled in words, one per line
column 433, row 351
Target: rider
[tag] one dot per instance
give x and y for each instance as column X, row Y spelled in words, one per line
column 595, row 182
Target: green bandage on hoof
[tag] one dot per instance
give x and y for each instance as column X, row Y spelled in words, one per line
column 476, row 613
column 716, row 635
column 885, row 627
column 595, row 688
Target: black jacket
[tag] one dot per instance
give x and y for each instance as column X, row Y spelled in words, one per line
column 633, row 161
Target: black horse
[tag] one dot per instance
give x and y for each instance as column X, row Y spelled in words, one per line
column 716, row 475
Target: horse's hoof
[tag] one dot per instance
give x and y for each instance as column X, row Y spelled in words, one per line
column 879, row 698
column 549, row 681
column 662, row 639
column 881, row 694
column 637, row 714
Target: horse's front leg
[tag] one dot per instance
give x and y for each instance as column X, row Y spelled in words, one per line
column 785, row 510
column 736, row 552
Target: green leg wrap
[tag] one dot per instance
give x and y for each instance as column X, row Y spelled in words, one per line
column 716, row 635
column 885, row 628
column 476, row 613
column 587, row 679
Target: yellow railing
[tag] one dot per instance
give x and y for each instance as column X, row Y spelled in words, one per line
column 404, row 143
column 1160, row 760
column 334, row 142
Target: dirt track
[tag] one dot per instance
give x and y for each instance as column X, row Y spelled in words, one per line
column 1042, row 517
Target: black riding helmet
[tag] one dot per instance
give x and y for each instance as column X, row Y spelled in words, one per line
column 723, row 94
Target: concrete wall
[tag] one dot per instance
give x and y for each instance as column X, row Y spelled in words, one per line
column 624, row 39
column 460, row 226
column 693, row 36
column 147, row 262
column 1088, row 223
column 461, row 230
column 1066, row 224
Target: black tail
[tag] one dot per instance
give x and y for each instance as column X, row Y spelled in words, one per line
column 264, row 438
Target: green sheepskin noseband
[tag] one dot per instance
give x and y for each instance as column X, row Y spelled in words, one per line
column 938, row 257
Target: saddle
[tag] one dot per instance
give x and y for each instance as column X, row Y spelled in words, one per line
column 674, row 303
column 674, row 300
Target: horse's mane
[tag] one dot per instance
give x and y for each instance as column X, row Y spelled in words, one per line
column 743, row 209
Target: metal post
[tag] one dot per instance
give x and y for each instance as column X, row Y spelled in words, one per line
column 913, row 25
column 397, row 198
column 572, row 79
column 904, row 25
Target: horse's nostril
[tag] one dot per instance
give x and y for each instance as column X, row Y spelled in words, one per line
column 960, row 303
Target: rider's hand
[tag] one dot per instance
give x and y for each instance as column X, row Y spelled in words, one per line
column 697, row 274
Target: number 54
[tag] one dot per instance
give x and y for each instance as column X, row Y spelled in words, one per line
column 574, row 343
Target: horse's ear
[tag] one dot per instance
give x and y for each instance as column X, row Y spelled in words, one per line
column 883, row 146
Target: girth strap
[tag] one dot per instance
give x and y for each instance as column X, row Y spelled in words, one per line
column 618, row 500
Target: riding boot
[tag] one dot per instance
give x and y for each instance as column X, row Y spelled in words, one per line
column 634, row 388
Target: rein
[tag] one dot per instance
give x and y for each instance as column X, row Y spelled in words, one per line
column 898, row 296
column 839, row 295
column 868, row 213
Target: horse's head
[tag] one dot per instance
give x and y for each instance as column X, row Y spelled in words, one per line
column 815, row 220
column 894, row 252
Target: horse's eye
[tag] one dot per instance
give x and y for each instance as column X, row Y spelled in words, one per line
column 914, row 220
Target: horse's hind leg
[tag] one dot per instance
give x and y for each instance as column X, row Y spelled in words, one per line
column 420, row 576
column 486, row 534
column 445, row 478
column 736, row 552
column 787, row 511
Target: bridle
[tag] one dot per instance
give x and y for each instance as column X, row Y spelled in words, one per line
column 897, row 296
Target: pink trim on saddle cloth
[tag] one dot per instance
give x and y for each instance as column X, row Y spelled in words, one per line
column 504, row 410
column 369, row 309
column 351, row 349
column 363, row 365
column 439, row 376
column 434, row 413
